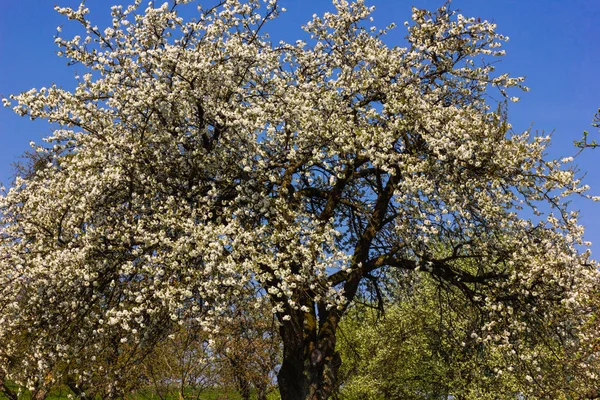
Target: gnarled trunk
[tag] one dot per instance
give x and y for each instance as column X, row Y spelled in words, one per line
column 310, row 362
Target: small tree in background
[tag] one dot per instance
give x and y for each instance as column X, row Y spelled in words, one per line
column 248, row 350
column 181, row 365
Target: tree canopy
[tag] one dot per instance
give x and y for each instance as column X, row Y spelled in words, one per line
column 197, row 162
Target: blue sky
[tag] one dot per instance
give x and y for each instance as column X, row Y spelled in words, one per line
column 554, row 43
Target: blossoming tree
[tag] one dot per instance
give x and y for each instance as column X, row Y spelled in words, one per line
column 196, row 160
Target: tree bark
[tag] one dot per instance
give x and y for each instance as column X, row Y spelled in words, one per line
column 310, row 362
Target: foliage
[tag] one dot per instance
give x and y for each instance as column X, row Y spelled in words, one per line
column 197, row 162
column 425, row 347
column 583, row 143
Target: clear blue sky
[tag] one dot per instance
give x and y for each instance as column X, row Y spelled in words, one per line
column 554, row 43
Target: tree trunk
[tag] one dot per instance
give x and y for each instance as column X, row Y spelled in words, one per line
column 39, row 394
column 245, row 391
column 310, row 362
column 240, row 379
column 261, row 392
column 80, row 392
column 8, row 392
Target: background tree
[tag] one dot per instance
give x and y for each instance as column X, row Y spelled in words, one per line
column 180, row 366
column 427, row 346
column 249, row 351
column 201, row 162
